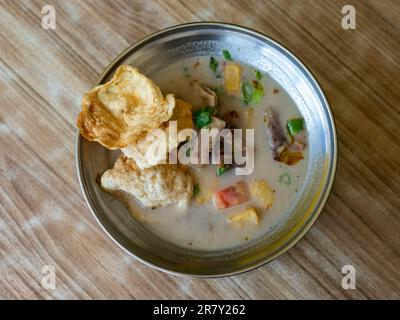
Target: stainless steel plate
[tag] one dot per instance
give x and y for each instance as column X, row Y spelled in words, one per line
column 252, row 48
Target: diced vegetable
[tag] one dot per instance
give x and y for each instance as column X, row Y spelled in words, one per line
column 258, row 74
column 247, row 91
column 196, row 189
column 245, row 218
column 230, row 196
column 285, row 179
column 295, row 126
column 258, row 92
column 202, row 117
column 252, row 92
column 227, row 55
column 214, row 64
column 221, row 170
column 262, row 193
column 232, row 74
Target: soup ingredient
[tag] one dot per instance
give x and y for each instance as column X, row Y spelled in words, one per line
column 247, row 91
column 208, row 96
column 203, row 116
column 276, row 135
column 138, row 151
column 285, row 179
column 291, row 155
column 281, row 150
column 262, row 192
column 214, row 65
column 231, row 196
column 245, row 218
column 258, row 92
column 295, row 126
column 196, row 190
column 232, row 75
column 116, row 113
column 253, row 92
column 297, row 134
column 221, row 170
column 258, row 75
column 153, row 187
column 227, row 55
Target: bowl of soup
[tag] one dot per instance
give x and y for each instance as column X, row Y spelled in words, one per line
column 206, row 216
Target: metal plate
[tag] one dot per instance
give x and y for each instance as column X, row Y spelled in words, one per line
column 254, row 49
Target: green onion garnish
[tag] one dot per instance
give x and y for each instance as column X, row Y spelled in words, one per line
column 227, row 55
column 214, row 64
column 202, row 117
column 285, row 179
column 196, row 189
column 295, row 125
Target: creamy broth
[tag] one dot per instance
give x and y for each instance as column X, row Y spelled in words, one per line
column 202, row 227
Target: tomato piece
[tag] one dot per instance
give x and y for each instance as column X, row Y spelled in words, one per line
column 230, row 196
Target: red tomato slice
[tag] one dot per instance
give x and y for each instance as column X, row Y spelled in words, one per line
column 230, row 196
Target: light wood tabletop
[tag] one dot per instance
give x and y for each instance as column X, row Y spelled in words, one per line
column 44, row 220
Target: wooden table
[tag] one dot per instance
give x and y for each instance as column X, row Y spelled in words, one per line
column 45, row 221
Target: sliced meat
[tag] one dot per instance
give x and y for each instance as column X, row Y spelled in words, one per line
column 281, row 149
column 276, row 135
column 231, row 196
column 208, row 96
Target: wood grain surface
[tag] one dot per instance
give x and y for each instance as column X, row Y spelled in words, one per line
column 45, row 221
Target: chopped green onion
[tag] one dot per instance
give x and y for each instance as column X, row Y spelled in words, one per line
column 227, row 55
column 214, row 65
column 252, row 92
column 295, row 125
column 247, row 90
column 221, row 170
column 258, row 92
column 258, row 74
column 285, row 179
column 196, row 189
column 202, row 117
